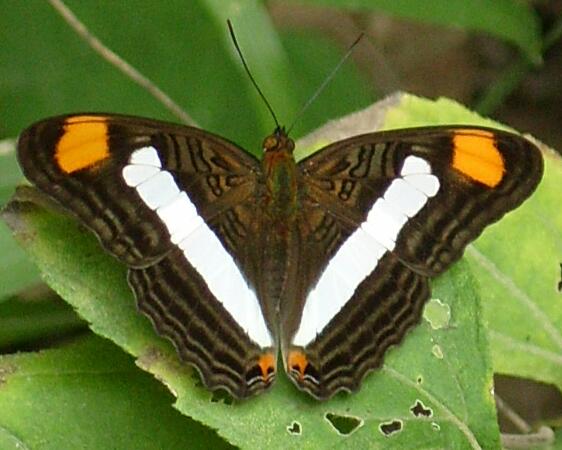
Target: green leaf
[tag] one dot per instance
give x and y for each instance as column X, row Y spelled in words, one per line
column 36, row 319
column 510, row 20
column 518, row 263
column 16, row 272
column 90, row 395
column 185, row 49
column 250, row 19
column 10, row 173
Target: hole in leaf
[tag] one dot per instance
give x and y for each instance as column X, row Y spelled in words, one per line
column 344, row 425
column 196, row 378
column 420, row 410
column 389, row 428
column 435, row 426
column 222, row 396
column 294, row 428
column 419, row 379
column 437, row 352
column 437, row 314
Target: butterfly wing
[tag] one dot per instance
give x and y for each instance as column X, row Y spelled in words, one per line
column 382, row 212
column 175, row 204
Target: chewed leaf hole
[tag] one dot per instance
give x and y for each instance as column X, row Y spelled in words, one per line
column 437, row 351
column 437, row 313
column 420, row 410
column 560, row 282
column 221, row 396
column 344, row 425
column 295, row 428
column 435, row 426
column 196, row 378
column 392, row 427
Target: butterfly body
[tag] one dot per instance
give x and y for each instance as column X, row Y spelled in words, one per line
column 232, row 258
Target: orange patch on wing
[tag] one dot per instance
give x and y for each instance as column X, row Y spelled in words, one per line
column 476, row 155
column 297, row 361
column 83, row 144
column 267, row 365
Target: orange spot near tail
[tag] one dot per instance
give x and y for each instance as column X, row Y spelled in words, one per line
column 267, row 365
column 83, row 144
column 476, row 155
column 297, row 361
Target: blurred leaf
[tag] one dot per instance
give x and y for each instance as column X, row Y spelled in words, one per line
column 511, row 20
column 184, row 48
column 181, row 46
column 36, row 320
column 16, row 271
column 346, row 92
column 90, row 395
column 268, row 61
column 10, row 173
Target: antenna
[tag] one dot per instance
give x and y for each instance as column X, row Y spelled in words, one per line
column 250, row 74
column 326, row 81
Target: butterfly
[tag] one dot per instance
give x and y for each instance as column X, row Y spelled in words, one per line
column 235, row 259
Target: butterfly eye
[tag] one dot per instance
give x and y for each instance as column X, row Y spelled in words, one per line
column 290, row 144
column 270, row 143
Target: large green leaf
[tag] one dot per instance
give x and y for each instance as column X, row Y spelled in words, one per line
column 90, row 395
column 182, row 46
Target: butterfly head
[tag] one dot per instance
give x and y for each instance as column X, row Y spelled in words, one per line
column 278, row 141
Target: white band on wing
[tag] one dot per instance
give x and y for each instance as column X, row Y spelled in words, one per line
column 201, row 247
column 359, row 255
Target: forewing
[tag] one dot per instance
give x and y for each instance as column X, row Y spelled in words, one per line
column 481, row 174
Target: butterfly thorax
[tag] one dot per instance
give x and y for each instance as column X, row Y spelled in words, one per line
column 280, row 172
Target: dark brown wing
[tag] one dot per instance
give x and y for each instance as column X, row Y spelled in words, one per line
column 468, row 178
column 213, row 170
column 84, row 162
